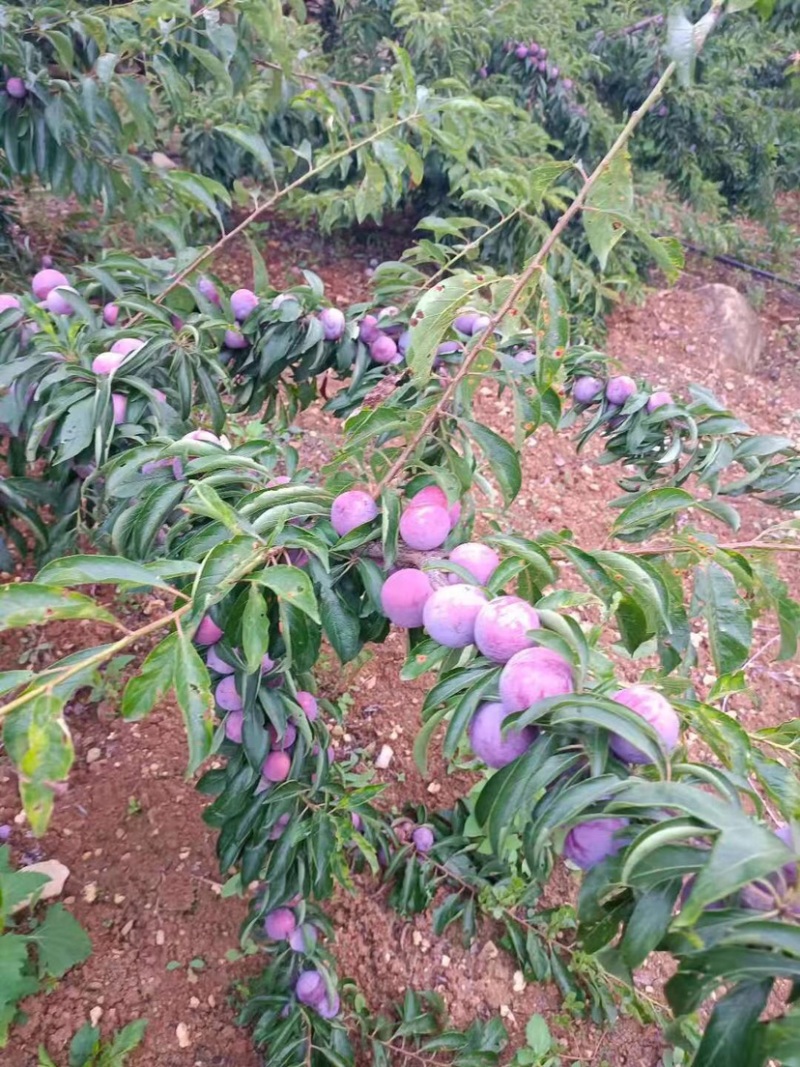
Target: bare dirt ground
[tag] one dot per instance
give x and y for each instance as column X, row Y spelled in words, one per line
column 144, row 879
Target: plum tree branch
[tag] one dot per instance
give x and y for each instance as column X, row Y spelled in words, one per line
column 99, row 657
column 268, row 204
column 535, row 265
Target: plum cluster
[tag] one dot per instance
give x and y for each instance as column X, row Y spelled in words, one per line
column 230, row 705
column 460, row 613
column 615, row 392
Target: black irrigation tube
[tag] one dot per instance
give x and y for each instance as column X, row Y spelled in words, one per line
column 729, row 261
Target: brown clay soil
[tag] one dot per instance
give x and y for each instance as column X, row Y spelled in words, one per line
column 144, row 880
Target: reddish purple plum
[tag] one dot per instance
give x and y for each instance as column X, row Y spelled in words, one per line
column 16, row 88
column 480, row 560
column 207, row 633
column 587, row 390
column 449, row 614
column 333, row 324
column 45, row 281
column 352, row 509
column 276, row 767
column 57, row 303
column 533, row 675
column 525, row 356
column 383, row 349
column 310, row 989
column 329, row 1008
column 286, row 740
column 424, row 527
column 207, row 289
column 126, row 346
column 227, row 695
column 304, row 938
column 235, row 340
column 215, row 662
column 243, row 303
column 208, row 438
column 502, row 628
column 107, row 362
column 119, row 404
column 654, row 709
column 620, row 389
column 521, row 51
column 280, row 924
column 110, row 314
column 490, row 743
column 8, row 301
column 590, row 842
column 308, row 702
column 234, row 725
column 465, row 322
column 661, row 398
column 404, row 595
column 423, row 838
column 369, row 330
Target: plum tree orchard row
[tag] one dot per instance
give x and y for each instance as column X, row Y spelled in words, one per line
column 260, row 560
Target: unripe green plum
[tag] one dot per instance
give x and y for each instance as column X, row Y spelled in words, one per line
column 490, row 743
column 533, row 675
column 653, row 708
column 352, row 509
column 502, row 628
column 425, row 526
column 449, row 614
column 404, row 595
column 590, row 842
column 480, row 560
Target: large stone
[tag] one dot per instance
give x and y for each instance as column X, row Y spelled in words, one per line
column 736, row 326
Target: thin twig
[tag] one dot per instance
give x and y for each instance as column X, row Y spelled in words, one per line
column 535, row 265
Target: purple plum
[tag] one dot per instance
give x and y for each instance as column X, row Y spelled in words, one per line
column 502, row 627
column 449, row 614
column 590, row 842
column 488, row 740
column 352, row 509
column 404, row 595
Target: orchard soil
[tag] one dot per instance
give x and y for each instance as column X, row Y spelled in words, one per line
column 144, row 880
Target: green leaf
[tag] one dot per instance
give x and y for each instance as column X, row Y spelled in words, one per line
column 730, row 628
column 126, row 1040
column 731, row 1035
column 433, row 317
column 31, row 604
column 153, row 682
column 502, row 456
column 542, row 177
column 650, row 510
column 648, row 922
column 61, row 942
column 552, row 320
column 193, row 690
column 255, row 629
column 538, row 1036
column 40, row 747
column 98, row 570
column 205, row 500
column 612, row 192
column 10, row 680
column 291, row 585
column 781, row 1039
column 84, row 1046
column 251, row 142
column 15, row 980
